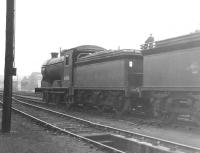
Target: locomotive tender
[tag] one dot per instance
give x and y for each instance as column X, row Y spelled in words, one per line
column 172, row 77
column 163, row 80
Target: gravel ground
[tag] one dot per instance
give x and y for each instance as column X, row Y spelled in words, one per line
column 171, row 134
column 27, row 137
column 183, row 136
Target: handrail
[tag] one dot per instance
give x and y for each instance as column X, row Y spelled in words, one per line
column 149, row 45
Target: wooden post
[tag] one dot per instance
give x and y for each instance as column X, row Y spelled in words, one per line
column 9, row 70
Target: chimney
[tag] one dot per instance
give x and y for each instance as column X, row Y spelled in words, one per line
column 54, row 55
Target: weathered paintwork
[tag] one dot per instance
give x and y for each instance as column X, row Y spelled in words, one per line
column 109, row 71
column 174, row 69
column 109, row 74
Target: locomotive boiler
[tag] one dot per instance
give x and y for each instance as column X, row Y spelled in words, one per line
column 52, row 70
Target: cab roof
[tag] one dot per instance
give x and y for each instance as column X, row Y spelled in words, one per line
column 83, row 48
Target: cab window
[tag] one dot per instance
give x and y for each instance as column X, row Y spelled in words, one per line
column 67, row 60
column 131, row 63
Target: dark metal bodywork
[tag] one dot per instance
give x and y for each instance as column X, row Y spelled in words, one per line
column 173, row 65
column 109, row 71
column 171, row 79
column 53, row 69
column 110, row 74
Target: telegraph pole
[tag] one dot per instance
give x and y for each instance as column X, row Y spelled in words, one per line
column 8, row 70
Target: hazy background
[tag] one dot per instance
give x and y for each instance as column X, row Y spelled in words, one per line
column 43, row 26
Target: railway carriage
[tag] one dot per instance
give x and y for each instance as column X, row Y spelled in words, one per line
column 172, row 77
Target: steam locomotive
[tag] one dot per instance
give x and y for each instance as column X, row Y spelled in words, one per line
column 162, row 79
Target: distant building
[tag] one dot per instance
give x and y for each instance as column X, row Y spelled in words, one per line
column 31, row 82
column 28, row 83
column 15, row 85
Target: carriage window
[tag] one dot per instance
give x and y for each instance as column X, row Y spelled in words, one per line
column 67, row 60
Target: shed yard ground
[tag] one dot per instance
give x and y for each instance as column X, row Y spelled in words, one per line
column 27, row 137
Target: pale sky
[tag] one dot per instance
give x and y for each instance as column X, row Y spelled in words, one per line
column 43, row 26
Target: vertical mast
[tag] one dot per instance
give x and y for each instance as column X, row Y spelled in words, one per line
column 8, row 70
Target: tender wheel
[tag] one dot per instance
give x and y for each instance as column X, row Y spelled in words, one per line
column 170, row 118
column 46, row 97
column 122, row 106
column 69, row 101
column 195, row 115
column 196, row 118
column 57, row 99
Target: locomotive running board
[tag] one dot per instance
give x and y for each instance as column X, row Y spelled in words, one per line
column 58, row 89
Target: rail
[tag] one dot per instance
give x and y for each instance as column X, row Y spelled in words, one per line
column 154, row 140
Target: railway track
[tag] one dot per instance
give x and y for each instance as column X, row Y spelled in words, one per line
column 42, row 118
column 98, row 134
column 134, row 119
